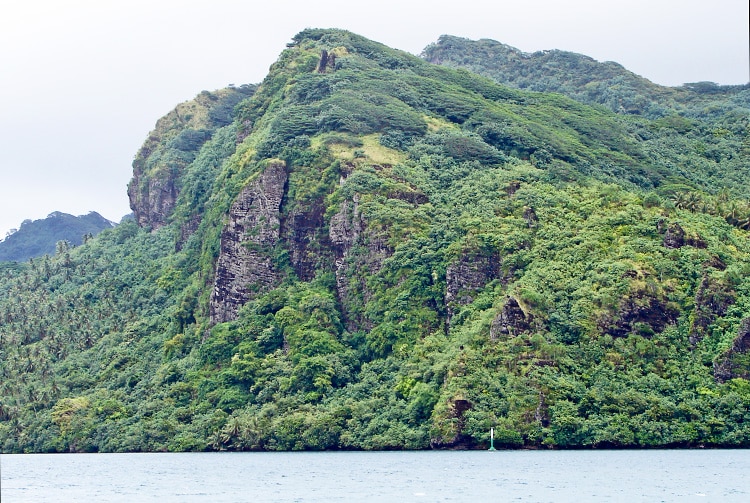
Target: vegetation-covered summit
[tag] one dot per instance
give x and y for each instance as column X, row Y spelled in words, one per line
column 39, row 237
column 585, row 79
column 377, row 252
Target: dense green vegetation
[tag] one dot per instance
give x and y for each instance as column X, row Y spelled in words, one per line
column 40, row 237
column 699, row 131
column 585, row 79
column 451, row 255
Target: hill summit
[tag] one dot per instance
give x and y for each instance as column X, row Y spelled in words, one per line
column 39, row 237
column 580, row 77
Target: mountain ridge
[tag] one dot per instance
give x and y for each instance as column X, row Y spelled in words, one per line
column 575, row 75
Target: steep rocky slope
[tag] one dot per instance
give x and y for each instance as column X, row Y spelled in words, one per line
column 159, row 164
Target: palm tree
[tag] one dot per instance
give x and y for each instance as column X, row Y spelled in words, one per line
column 732, row 214
column 678, row 198
column 723, row 195
column 692, row 201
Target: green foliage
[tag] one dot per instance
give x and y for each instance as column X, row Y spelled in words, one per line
column 452, row 255
column 40, row 237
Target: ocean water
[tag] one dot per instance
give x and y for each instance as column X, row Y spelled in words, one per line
column 419, row 476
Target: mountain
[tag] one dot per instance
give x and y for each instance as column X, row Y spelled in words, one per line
column 372, row 251
column 39, row 237
column 584, row 79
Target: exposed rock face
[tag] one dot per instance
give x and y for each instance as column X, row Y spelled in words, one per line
column 510, row 321
column 171, row 147
column 530, row 216
column 303, row 233
column 640, row 312
column 359, row 253
column 716, row 263
column 711, row 301
column 154, row 203
column 327, row 62
column 161, row 161
column 346, row 225
column 541, row 415
column 459, row 409
column 512, row 188
column 467, row 275
column 455, row 436
column 730, row 365
column 245, row 266
column 674, row 237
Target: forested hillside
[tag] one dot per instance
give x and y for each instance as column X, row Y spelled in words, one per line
column 371, row 251
column 586, row 80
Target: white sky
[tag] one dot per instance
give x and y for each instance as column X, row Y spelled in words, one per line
column 82, row 82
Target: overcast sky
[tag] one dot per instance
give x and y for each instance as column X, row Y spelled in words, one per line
column 82, row 82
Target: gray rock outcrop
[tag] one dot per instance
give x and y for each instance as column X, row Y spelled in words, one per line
column 359, row 253
column 674, row 236
column 153, row 204
column 466, row 276
column 245, row 267
column 510, row 321
column 731, row 365
column 304, row 234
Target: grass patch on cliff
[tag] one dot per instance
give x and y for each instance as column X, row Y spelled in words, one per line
column 438, row 123
column 367, row 147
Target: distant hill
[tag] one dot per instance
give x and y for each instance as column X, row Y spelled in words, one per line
column 39, row 237
column 583, row 79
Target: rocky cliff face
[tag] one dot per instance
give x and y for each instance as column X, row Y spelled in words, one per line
column 510, row 321
column 245, row 266
column 641, row 312
column 158, row 165
column 734, row 362
column 348, row 232
column 674, row 236
column 712, row 299
column 303, row 233
column 171, row 147
column 155, row 200
column 466, row 276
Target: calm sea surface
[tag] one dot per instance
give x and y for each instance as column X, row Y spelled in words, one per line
column 668, row 475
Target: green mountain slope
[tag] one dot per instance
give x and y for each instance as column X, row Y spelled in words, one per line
column 39, row 237
column 583, row 79
column 382, row 253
